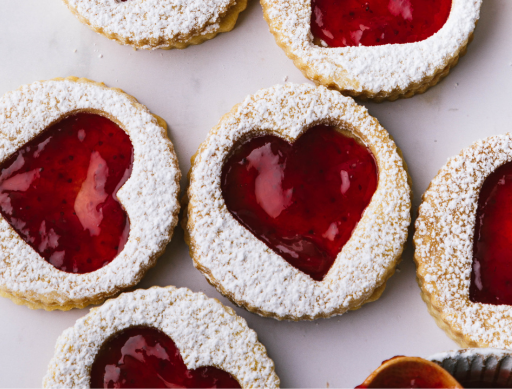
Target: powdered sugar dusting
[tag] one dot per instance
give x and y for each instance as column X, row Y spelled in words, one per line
column 154, row 22
column 242, row 266
column 375, row 69
column 149, row 196
column 444, row 243
column 206, row 333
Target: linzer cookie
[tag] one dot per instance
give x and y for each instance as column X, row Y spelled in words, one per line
column 161, row 338
column 463, row 245
column 88, row 193
column 298, row 204
column 380, row 50
column 158, row 24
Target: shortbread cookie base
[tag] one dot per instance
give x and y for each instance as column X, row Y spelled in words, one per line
column 57, row 301
column 365, row 95
column 225, row 24
column 356, row 299
column 457, row 336
column 206, row 332
column 443, row 241
column 36, row 302
column 374, row 297
column 324, row 67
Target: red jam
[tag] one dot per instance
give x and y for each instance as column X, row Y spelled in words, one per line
column 341, row 23
column 59, row 192
column 302, row 200
column 144, row 357
column 491, row 278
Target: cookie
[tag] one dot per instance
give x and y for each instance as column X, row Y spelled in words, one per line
column 290, row 249
column 371, row 56
column 89, row 189
column 157, row 24
column 160, row 337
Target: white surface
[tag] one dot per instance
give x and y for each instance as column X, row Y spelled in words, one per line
column 191, row 90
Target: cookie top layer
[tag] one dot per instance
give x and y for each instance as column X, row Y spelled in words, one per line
column 369, row 71
column 151, row 24
column 241, row 266
column 206, row 332
column 444, row 245
column 149, row 196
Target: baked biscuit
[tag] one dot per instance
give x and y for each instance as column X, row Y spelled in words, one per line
column 205, row 333
column 39, row 267
column 384, row 72
column 158, row 24
column 245, row 268
column 451, row 271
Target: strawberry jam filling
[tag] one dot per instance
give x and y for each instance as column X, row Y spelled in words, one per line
column 59, row 192
column 144, row 357
column 491, row 277
column 302, row 200
column 340, row 23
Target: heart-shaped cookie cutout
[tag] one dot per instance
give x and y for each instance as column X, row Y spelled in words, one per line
column 59, row 192
column 144, row 357
column 341, row 23
column 302, row 200
column 491, row 276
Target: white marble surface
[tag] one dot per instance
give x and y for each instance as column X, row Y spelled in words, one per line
column 191, row 90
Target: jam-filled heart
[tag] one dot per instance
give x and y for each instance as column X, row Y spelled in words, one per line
column 340, row 23
column 144, row 357
column 59, row 192
column 302, row 200
column 491, row 277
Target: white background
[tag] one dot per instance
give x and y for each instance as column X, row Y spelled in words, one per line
column 191, row 89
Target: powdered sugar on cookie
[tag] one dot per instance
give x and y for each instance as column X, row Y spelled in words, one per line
column 206, row 333
column 444, row 245
column 149, row 196
column 151, row 24
column 376, row 71
column 244, row 268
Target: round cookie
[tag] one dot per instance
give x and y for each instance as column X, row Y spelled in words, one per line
column 158, row 24
column 205, row 332
column 444, row 241
column 149, row 196
column 244, row 268
column 386, row 72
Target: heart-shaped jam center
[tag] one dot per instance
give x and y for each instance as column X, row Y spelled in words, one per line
column 340, row 23
column 491, row 278
column 302, row 200
column 59, row 192
column 144, row 357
